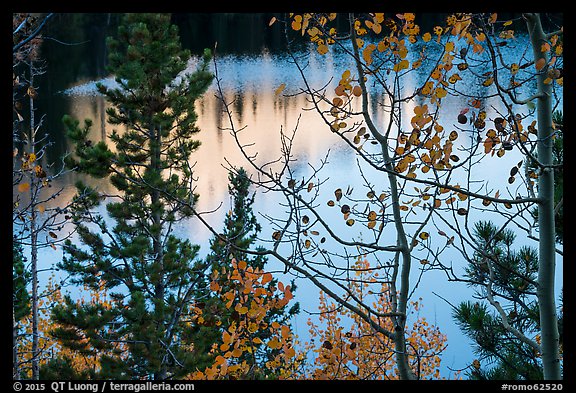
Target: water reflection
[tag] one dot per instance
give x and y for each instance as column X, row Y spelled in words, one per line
column 249, row 84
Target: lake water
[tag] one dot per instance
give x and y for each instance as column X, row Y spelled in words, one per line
column 250, row 83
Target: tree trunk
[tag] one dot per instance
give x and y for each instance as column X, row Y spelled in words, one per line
column 159, row 289
column 34, row 242
column 399, row 297
column 546, row 226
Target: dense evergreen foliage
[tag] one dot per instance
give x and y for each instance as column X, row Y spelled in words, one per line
column 148, row 273
column 497, row 268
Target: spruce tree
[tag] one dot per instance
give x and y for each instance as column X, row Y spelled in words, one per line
column 499, row 271
column 237, row 241
column 148, row 272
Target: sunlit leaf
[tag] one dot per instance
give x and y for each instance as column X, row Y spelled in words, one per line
column 440, row 92
column 350, row 222
column 488, row 82
column 402, row 65
column 272, row 21
column 322, row 49
column 424, row 235
column 53, row 235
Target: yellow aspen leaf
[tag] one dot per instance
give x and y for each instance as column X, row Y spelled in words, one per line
column 493, row 18
column 514, row 67
column 454, row 78
column 275, row 325
column 296, row 25
column 402, row 65
column 545, row 47
column 357, row 91
column 322, row 49
column 371, row 224
column 360, row 42
column 427, row 88
column 214, row 286
column 241, row 309
column 280, row 89
column 508, row 23
column 23, row 187
column 237, row 352
column 377, row 28
column 440, row 92
column 403, row 208
column 242, row 265
column 436, row 74
column 481, row 37
column 372, row 215
column 488, row 82
column 290, row 352
column 426, row 37
column 424, row 235
column 449, row 46
column 41, row 208
column 274, row 343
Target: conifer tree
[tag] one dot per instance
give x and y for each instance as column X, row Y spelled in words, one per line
column 505, row 341
column 239, row 235
column 149, row 273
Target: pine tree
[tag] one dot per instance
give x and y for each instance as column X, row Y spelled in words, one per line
column 505, row 341
column 149, row 273
column 239, row 235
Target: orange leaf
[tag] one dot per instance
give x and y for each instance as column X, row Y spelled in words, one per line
column 266, row 278
column 23, row 187
column 540, row 64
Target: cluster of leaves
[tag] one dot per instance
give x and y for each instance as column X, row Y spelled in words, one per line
column 252, row 344
column 384, row 43
column 348, row 347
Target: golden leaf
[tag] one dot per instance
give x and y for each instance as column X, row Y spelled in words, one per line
column 280, row 89
column 272, row 21
column 23, row 187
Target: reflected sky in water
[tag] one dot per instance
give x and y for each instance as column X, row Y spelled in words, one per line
column 249, row 84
